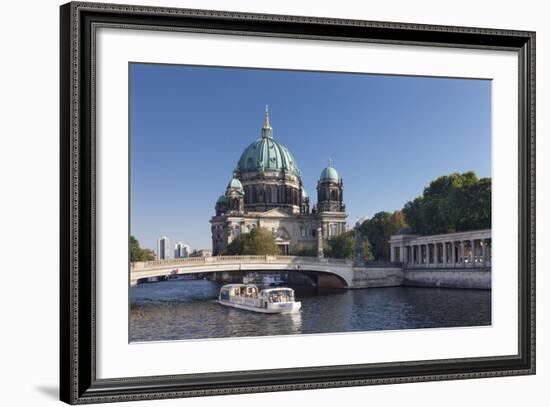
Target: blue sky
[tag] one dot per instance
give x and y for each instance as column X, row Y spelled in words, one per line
column 388, row 137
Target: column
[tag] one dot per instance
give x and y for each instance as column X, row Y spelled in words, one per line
column 473, row 252
column 444, row 254
column 402, row 254
column 320, row 253
column 427, row 254
column 483, row 252
column 417, row 254
column 462, row 262
column 392, row 253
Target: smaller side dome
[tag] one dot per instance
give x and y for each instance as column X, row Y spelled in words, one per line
column 329, row 174
column 222, row 199
column 235, row 184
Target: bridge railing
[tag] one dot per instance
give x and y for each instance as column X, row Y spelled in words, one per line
column 191, row 261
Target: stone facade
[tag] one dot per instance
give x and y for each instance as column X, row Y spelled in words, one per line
column 267, row 191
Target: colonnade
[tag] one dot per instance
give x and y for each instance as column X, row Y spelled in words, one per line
column 453, row 250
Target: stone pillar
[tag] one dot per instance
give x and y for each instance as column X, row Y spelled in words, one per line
column 436, row 260
column 424, row 259
column 462, row 262
column 320, row 253
column 402, row 254
column 444, row 254
column 358, row 260
column 392, row 253
column 453, row 253
column 483, row 243
column 473, row 252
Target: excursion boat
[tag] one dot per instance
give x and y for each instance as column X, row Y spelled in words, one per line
column 278, row 300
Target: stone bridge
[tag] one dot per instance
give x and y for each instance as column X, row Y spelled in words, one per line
column 349, row 275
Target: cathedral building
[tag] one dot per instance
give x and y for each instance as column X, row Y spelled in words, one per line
column 267, row 191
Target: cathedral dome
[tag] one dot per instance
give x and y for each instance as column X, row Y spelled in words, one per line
column 267, row 154
column 329, row 174
column 222, row 199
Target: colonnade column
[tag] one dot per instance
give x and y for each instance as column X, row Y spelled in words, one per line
column 462, row 262
column 444, row 254
column 483, row 252
column 472, row 252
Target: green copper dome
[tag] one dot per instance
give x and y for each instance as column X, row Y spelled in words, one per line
column 267, row 154
column 235, row 184
column 330, row 174
column 221, row 199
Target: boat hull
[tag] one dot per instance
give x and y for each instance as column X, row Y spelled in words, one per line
column 272, row 308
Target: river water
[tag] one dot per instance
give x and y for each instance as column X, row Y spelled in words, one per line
column 170, row 310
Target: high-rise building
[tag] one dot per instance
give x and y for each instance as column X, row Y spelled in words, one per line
column 164, row 250
column 181, row 250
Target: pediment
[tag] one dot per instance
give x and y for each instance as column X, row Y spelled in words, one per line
column 275, row 213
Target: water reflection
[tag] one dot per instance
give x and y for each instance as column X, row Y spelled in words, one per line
column 171, row 310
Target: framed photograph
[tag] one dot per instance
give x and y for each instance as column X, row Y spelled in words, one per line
column 254, row 203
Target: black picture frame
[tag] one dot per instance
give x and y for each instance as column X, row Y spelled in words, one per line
column 78, row 381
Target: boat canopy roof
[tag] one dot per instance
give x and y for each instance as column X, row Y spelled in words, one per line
column 230, row 286
column 269, row 290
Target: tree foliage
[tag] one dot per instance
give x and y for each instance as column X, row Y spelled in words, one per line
column 139, row 254
column 259, row 241
column 301, row 250
column 451, row 203
column 342, row 247
column 378, row 230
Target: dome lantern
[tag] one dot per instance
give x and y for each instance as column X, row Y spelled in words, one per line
column 267, row 131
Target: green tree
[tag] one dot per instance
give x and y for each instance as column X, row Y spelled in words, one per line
column 300, row 250
column 236, row 247
column 342, row 247
column 139, row 254
column 259, row 241
column 378, row 231
column 451, row 203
